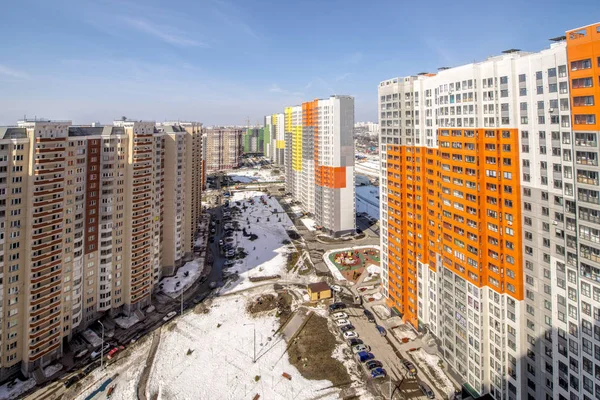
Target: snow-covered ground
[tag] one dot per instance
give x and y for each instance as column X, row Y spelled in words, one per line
column 267, row 255
column 169, row 285
column 52, row 369
column 16, row 390
column 221, row 365
column 369, row 167
column 92, row 338
column 127, row 322
column 309, row 223
column 129, row 367
column 367, row 200
column 255, row 175
column 428, row 363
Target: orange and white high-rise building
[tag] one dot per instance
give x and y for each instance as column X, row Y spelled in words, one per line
column 490, row 216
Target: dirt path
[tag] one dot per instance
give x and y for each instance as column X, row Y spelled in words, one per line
column 141, row 389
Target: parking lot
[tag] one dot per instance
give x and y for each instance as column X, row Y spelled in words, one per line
column 402, row 384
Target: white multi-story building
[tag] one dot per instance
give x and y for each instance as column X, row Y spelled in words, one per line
column 481, row 240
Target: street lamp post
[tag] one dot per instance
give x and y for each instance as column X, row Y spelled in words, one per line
column 181, row 313
column 102, row 348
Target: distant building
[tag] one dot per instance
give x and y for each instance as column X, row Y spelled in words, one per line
column 223, row 148
column 254, row 141
column 275, row 138
column 367, row 128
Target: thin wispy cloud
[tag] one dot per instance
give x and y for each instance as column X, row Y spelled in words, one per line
column 308, row 85
column 231, row 15
column 12, row 73
column 276, row 89
column 164, row 33
column 340, row 78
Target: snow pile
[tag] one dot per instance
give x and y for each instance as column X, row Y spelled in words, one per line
column 255, row 175
column 309, row 223
column 92, row 338
column 373, row 269
column 428, row 363
column 169, row 285
column 16, row 390
column 267, row 255
column 127, row 322
column 382, row 311
column 218, row 347
column 52, row 369
column 404, row 332
column 129, row 370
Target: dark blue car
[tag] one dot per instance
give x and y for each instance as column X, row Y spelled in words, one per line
column 378, row 373
column 363, row 356
column 381, row 330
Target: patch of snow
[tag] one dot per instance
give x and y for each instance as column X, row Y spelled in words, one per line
column 255, row 175
column 169, row 285
column 428, row 363
column 222, row 353
column 15, row 391
column 92, row 338
column 52, row 369
column 373, row 269
column 382, row 311
column 309, row 223
column 267, row 255
column 404, row 331
column 127, row 322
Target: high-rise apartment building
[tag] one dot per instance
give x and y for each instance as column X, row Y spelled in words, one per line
column 82, row 228
column 490, row 216
column 254, row 141
column 319, row 160
column 224, row 148
column 275, row 138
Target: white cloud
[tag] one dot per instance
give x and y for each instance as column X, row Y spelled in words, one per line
column 161, row 32
column 342, row 77
column 12, row 73
column 276, row 89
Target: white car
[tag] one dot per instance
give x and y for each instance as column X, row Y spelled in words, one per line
column 350, row 335
column 169, row 316
column 339, row 315
column 342, row 322
column 360, row 347
column 336, row 288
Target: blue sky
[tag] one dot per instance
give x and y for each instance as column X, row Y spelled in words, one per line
column 221, row 61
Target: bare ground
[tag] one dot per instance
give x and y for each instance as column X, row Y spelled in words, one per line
column 311, row 353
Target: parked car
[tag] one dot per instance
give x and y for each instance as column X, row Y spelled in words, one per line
column 114, row 351
column 339, row 315
column 169, row 316
column 335, row 288
column 74, row 379
column 350, row 335
column 354, row 342
column 360, row 347
column 363, row 356
column 136, row 338
column 150, row 309
column 410, row 367
column 336, row 306
column 426, row 390
column 97, row 353
column 221, row 242
column 347, row 328
column 91, row 367
column 342, row 322
column 378, row 373
column 381, row 330
column 229, row 263
column 369, row 315
column 374, row 364
column 81, row 353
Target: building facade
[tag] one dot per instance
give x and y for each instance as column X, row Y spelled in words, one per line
column 488, row 172
column 223, row 148
column 82, row 230
column 275, row 138
column 254, row 141
column 319, row 161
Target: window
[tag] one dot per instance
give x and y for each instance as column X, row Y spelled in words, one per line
column 585, row 119
column 582, row 83
column 582, row 101
column 581, row 64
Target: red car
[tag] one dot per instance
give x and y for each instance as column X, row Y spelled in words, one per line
column 114, row 351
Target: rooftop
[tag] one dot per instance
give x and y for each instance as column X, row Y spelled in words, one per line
column 318, row 287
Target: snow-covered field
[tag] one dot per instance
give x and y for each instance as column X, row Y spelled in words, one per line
column 169, row 285
column 16, row 390
column 370, row 168
column 221, row 365
column 267, row 255
column 309, row 223
column 367, row 201
column 255, row 175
